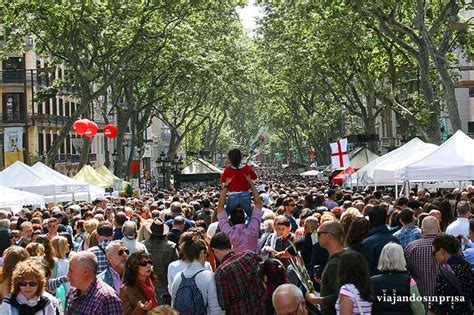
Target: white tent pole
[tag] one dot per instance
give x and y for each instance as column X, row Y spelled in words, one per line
column 396, row 190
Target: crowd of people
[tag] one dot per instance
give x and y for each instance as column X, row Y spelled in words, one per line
column 263, row 243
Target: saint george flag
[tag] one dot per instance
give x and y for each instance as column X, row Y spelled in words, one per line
column 339, row 154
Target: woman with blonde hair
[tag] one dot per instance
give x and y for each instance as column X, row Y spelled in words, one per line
column 11, row 257
column 89, row 226
column 28, row 295
column 61, row 249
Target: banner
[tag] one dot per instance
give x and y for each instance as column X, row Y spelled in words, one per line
column 13, row 145
column 339, row 154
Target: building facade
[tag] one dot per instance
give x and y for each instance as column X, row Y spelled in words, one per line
column 40, row 121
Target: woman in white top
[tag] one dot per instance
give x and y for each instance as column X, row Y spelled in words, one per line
column 194, row 252
column 355, row 294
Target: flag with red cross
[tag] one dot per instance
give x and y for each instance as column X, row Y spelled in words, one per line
column 339, row 154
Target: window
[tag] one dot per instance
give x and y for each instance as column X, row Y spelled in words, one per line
column 13, row 70
column 40, row 143
column 13, row 106
column 68, row 144
column 39, row 107
column 470, row 127
column 48, row 141
column 55, row 106
column 47, row 105
column 61, row 108
column 66, row 107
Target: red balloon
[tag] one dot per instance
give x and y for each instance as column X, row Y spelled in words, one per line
column 80, row 126
column 91, row 129
column 110, row 131
column 261, row 138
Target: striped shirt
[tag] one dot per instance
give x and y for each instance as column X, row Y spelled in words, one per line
column 359, row 306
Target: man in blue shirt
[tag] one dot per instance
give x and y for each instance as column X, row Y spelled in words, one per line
column 409, row 232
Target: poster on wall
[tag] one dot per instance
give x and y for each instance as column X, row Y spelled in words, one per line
column 13, row 145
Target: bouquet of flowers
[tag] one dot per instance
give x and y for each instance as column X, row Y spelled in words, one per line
column 299, row 268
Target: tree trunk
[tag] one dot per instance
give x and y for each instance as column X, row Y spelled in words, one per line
column 369, row 118
column 122, row 119
column 86, row 146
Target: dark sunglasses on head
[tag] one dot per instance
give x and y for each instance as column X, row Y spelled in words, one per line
column 121, row 251
column 32, row 283
column 145, row 263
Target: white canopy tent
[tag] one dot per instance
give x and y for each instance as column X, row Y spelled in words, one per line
column 311, row 173
column 365, row 175
column 387, row 170
column 75, row 190
column 454, row 160
column 21, row 176
column 14, row 199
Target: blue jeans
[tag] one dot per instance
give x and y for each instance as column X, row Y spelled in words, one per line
column 241, row 199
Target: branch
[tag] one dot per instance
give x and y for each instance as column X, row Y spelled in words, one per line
column 442, row 17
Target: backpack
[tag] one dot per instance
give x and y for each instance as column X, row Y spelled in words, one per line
column 189, row 299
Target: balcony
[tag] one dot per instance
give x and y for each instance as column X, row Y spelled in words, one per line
column 48, row 120
column 16, row 77
column 13, row 117
column 390, row 142
column 73, row 158
column 36, row 119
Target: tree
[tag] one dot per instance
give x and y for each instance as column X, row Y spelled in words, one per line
column 423, row 30
column 92, row 36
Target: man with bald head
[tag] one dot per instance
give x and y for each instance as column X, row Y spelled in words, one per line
column 419, row 257
column 288, row 299
column 437, row 214
column 88, row 294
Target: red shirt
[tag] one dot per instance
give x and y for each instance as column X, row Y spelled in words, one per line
column 239, row 183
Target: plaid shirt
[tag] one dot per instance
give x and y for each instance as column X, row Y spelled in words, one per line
column 421, row 264
column 238, row 289
column 100, row 254
column 406, row 235
column 98, row 299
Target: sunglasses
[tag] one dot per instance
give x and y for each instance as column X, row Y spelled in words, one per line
column 292, row 204
column 31, row 284
column 145, row 263
column 121, row 251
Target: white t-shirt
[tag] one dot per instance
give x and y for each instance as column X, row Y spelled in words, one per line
column 358, row 304
column 459, row 227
